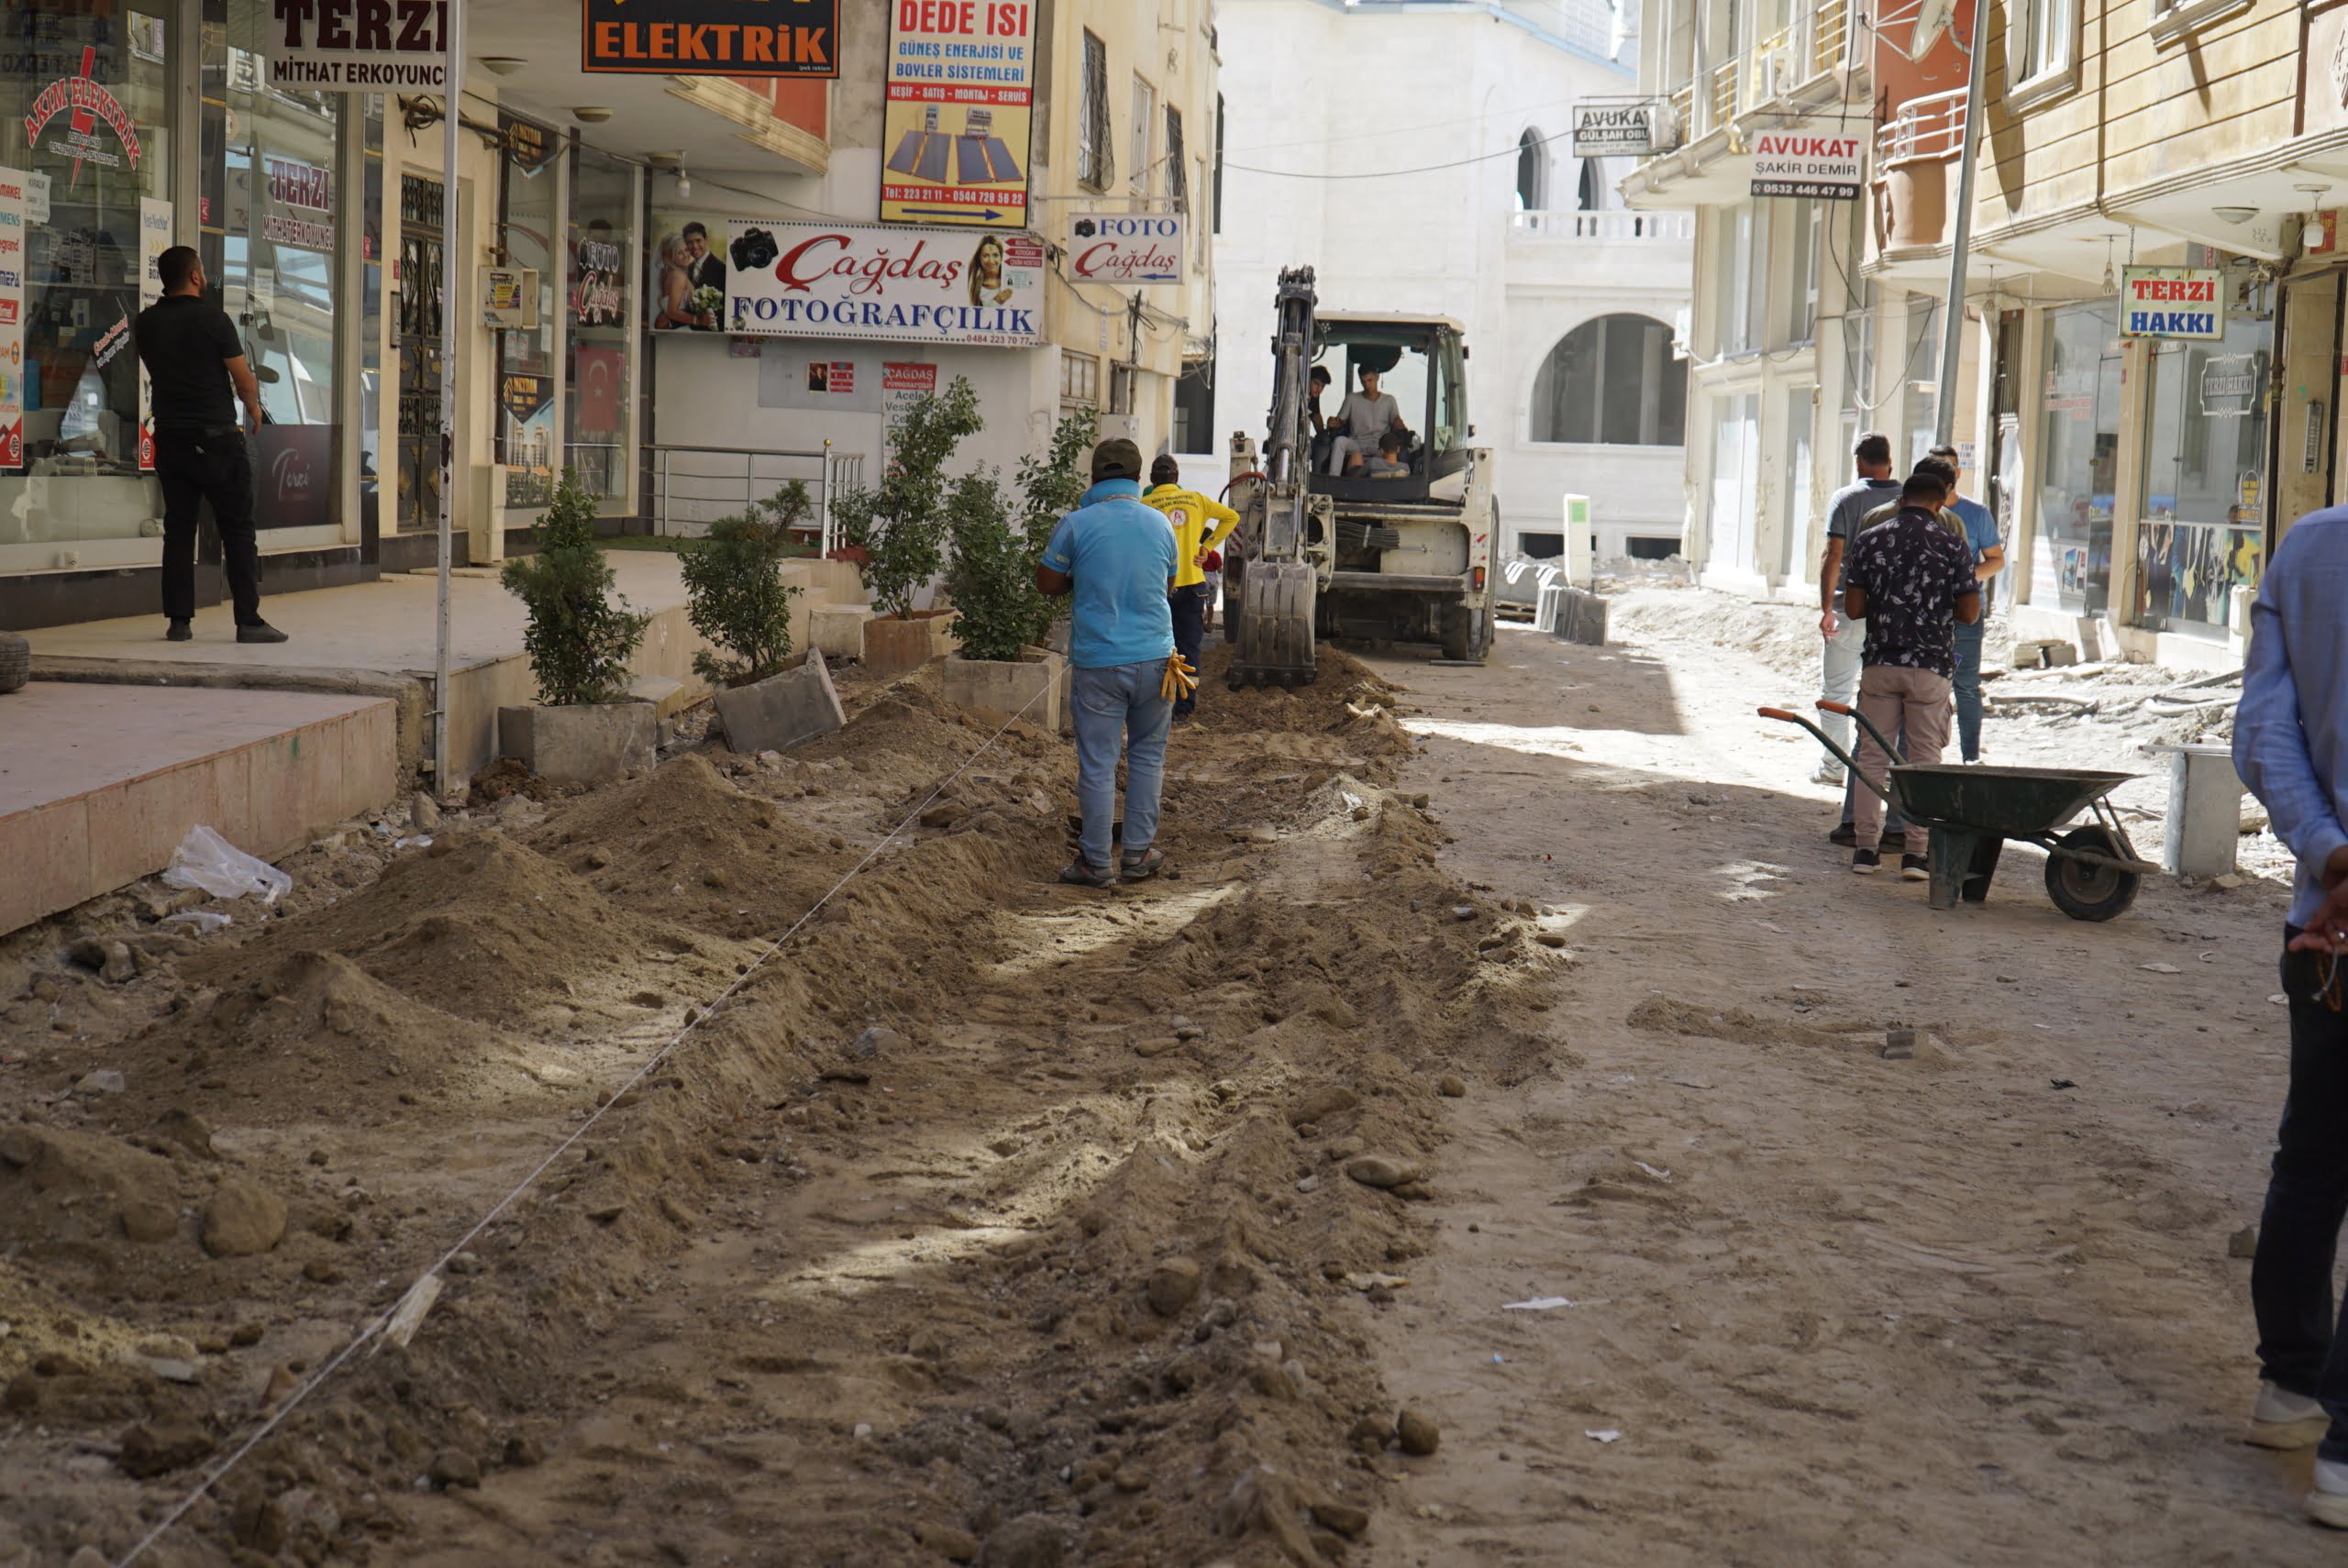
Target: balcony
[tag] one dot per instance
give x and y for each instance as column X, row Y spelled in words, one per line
column 1916, row 153
column 1661, row 228
column 1791, row 69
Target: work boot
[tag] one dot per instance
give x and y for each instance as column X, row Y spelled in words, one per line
column 2327, row 1500
column 1914, row 868
column 1865, row 862
column 1141, row 867
column 179, row 632
column 259, row 632
column 1846, row 835
column 1084, row 874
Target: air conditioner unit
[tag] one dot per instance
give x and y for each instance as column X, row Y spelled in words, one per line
column 1785, row 72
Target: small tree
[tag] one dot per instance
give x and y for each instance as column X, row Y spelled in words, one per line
column 902, row 526
column 579, row 640
column 1052, row 485
column 735, row 595
column 993, row 578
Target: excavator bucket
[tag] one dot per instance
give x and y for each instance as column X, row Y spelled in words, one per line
column 1273, row 625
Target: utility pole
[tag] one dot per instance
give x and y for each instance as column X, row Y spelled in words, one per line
column 452, row 39
column 1952, row 329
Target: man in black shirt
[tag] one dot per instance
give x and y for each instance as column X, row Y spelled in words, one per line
column 198, row 373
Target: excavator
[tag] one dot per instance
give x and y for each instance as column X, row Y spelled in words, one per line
column 1388, row 539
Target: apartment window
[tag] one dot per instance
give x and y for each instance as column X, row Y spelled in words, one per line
column 1143, row 175
column 1194, row 408
column 2040, row 40
column 1809, row 236
column 1589, row 194
column 1080, row 379
column 1612, row 380
column 1532, row 170
column 1094, row 160
column 1741, row 249
column 1177, row 173
column 1121, row 388
column 1215, row 215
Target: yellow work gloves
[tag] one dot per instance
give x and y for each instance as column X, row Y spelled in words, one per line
column 1181, row 679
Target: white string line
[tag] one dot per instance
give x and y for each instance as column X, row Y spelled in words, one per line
column 375, row 1326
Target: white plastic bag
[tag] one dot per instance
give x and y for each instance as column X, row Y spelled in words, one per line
column 206, row 860
column 205, row 921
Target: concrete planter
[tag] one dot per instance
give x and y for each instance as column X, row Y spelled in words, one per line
column 995, row 690
column 892, row 647
column 584, row 743
column 836, row 631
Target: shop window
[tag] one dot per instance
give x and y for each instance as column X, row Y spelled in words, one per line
column 85, row 160
column 2205, row 476
column 1919, row 380
column 598, row 418
column 1612, row 380
column 2071, row 568
column 270, row 240
column 525, row 230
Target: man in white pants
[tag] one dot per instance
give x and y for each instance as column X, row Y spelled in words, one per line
column 1846, row 635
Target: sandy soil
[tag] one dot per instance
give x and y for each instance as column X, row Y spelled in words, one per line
column 990, row 1220
column 1973, row 1307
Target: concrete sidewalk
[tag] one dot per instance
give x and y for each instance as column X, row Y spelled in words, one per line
column 102, row 773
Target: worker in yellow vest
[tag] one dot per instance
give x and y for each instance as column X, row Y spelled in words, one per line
column 1199, row 527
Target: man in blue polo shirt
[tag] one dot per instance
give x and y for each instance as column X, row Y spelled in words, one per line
column 1117, row 557
column 1988, row 560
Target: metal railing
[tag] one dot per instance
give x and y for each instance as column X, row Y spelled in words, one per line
column 1930, row 128
column 694, row 486
column 1809, row 47
column 1611, row 224
column 1828, row 27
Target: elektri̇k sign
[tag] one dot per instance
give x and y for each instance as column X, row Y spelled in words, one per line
column 1821, row 162
column 2173, row 302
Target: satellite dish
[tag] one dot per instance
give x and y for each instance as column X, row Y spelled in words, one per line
column 1932, row 19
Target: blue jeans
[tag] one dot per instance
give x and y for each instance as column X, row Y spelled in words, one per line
column 1189, row 608
column 1968, row 688
column 1119, row 705
column 2300, row 1347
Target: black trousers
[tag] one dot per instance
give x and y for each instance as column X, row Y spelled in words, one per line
column 1189, row 608
column 2302, row 1347
column 195, row 467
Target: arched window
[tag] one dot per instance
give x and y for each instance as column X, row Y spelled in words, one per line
column 1613, row 381
column 1591, row 196
column 1532, row 170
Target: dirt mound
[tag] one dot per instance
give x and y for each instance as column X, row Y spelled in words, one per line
column 686, row 845
column 60, row 1186
column 477, row 925
column 904, row 729
column 1668, row 1015
column 318, row 1038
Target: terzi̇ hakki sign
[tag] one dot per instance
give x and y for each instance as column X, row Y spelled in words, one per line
column 359, row 45
column 903, row 285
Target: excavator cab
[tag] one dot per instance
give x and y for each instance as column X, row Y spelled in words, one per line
column 1333, row 542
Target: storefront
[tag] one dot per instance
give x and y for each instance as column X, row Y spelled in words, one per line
column 2079, row 458
column 125, row 130
column 2201, row 531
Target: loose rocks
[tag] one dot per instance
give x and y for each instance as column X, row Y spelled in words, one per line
column 454, row 1467
column 161, row 1448
column 242, row 1219
column 1319, row 1104
column 1381, row 1171
column 950, row 1541
column 1419, row 1433
column 1173, row 1284
column 1453, row 1087
column 1031, row 1540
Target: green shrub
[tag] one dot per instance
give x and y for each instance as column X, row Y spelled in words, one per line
column 1052, row 485
column 902, row 526
column 579, row 640
column 992, row 575
column 735, row 595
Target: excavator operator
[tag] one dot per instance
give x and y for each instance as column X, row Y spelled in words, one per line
column 1363, row 417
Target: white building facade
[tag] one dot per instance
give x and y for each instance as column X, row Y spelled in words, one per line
column 1418, row 155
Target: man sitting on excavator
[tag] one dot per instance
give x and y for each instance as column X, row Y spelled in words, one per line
column 1362, row 419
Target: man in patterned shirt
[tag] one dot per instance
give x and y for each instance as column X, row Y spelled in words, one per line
column 1913, row 581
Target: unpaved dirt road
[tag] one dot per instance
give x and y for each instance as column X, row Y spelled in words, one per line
column 1971, row 1308
column 990, row 1220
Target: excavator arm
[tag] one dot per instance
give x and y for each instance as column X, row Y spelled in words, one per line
column 1271, row 625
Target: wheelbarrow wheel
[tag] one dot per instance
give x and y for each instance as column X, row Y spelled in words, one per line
column 2087, row 892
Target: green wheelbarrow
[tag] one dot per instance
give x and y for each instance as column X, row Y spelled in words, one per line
column 2092, row 871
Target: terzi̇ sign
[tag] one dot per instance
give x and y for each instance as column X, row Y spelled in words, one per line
column 712, row 38
column 906, row 285
column 1821, row 162
column 2173, row 302
column 359, row 45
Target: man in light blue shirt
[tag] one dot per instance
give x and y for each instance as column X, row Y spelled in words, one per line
column 2291, row 749
column 1988, row 560
column 1117, row 557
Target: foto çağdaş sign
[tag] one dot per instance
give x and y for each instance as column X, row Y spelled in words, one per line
column 1125, row 247
column 2173, row 302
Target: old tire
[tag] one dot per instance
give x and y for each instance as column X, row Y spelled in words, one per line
column 15, row 661
column 2089, row 892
